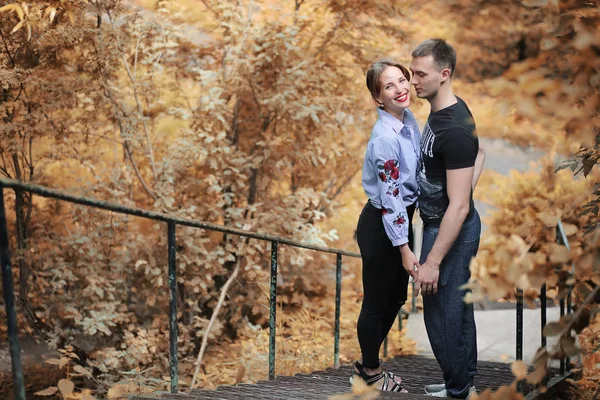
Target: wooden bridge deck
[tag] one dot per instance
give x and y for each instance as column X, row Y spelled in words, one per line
column 416, row 372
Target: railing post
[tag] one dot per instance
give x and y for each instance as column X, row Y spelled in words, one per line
column 561, row 237
column 338, row 301
column 562, row 314
column 9, row 303
column 569, row 312
column 173, row 331
column 519, row 338
column 273, row 310
column 543, row 304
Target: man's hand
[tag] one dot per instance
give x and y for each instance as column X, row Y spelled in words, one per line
column 409, row 260
column 428, row 276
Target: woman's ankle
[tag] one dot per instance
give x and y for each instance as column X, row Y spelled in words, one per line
column 372, row 371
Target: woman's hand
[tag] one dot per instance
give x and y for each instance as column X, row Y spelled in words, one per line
column 409, row 260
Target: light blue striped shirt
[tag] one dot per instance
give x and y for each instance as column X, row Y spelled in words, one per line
column 389, row 175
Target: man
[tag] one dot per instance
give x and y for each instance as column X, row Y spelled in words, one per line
column 451, row 162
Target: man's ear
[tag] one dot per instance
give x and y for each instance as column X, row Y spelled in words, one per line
column 445, row 74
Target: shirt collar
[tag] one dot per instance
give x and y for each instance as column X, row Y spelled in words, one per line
column 395, row 123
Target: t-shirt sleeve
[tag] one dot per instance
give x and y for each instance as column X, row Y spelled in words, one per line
column 460, row 149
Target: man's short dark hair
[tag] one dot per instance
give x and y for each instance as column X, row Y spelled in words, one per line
column 444, row 55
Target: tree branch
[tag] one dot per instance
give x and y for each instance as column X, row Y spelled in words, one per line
column 213, row 318
column 4, row 167
column 137, row 172
column 210, row 8
column 12, row 60
column 132, row 79
column 590, row 297
column 128, row 151
column 331, row 34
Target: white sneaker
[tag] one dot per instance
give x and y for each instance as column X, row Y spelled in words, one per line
column 444, row 393
column 434, row 388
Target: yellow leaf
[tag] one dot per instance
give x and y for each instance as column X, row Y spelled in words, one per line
column 7, row 7
column 19, row 12
column 118, row 391
column 18, row 26
column 569, row 346
column 66, row 387
column 63, row 361
column 14, row 7
column 359, row 387
column 541, row 366
column 536, row 376
column 47, row 392
column 53, row 361
column 549, row 219
column 570, row 229
column 25, row 8
column 553, row 329
column 79, row 369
column 519, row 369
column 28, row 32
column 559, row 254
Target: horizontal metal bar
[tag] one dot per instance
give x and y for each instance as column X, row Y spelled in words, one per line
column 56, row 194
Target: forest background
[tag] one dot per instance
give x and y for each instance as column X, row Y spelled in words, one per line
column 254, row 114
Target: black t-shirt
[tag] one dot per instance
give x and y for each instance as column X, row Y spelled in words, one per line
column 449, row 141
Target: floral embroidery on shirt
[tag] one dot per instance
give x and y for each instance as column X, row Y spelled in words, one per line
column 400, row 219
column 389, row 173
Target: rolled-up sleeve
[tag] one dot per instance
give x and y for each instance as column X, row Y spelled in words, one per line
column 386, row 158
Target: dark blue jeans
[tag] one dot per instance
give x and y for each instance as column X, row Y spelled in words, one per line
column 450, row 322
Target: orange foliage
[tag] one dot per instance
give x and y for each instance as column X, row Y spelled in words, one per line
column 261, row 125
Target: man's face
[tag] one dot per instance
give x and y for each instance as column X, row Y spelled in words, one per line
column 426, row 78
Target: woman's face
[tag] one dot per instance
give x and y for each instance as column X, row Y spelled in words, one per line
column 394, row 93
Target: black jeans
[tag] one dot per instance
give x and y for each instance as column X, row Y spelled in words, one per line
column 385, row 282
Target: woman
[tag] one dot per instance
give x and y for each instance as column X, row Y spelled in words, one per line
column 384, row 231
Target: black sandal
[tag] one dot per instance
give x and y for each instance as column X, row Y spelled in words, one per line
column 357, row 367
column 371, row 379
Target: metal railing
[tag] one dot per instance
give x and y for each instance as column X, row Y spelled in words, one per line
column 561, row 238
column 172, row 222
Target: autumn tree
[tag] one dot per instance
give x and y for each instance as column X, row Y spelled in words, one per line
column 260, row 127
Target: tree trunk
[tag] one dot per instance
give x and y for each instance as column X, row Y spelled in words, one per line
column 21, row 205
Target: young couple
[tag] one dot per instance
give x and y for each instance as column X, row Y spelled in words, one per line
column 437, row 172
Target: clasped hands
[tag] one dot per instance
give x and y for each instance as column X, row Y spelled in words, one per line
column 425, row 276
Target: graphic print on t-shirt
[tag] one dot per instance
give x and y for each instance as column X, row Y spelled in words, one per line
column 431, row 191
column 427, row 140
